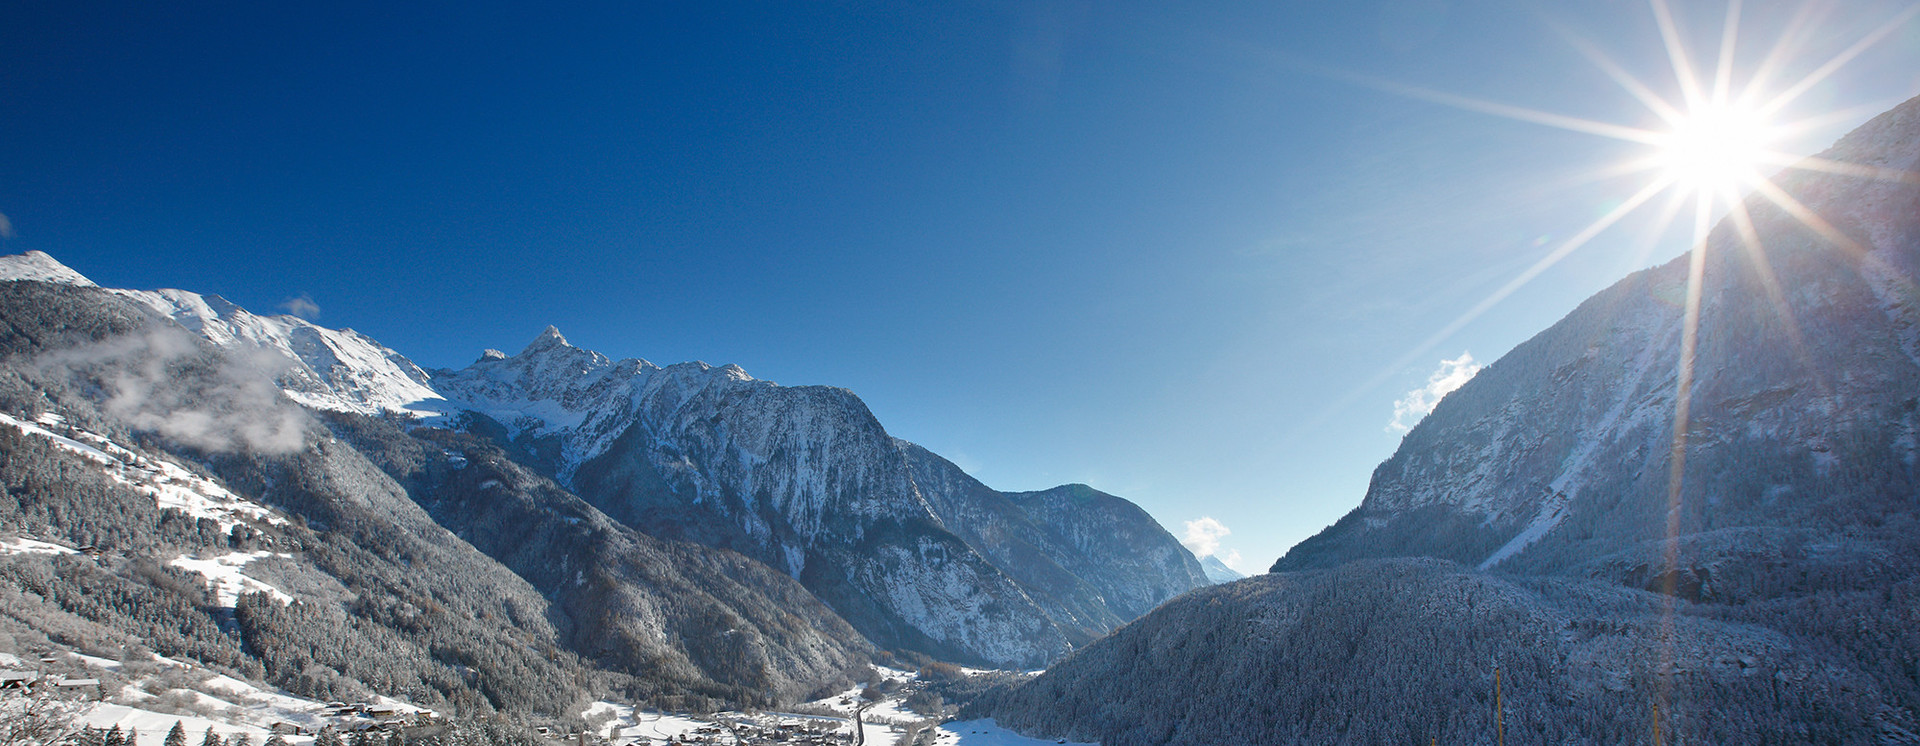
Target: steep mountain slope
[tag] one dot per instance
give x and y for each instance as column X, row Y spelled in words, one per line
column 1767, row 596
column 806, row 480
column 185, row 466
column 915, row 553
column 1802, row 409
column 1116, row 546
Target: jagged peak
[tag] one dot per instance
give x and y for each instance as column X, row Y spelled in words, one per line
column 548, row 339
column 41, row 267
column 491, row 354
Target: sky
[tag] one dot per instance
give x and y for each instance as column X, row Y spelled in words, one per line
column 1213, row 259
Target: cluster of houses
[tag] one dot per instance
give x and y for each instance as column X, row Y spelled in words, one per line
column 30, row 681
column 757, row 734
column 353, row 717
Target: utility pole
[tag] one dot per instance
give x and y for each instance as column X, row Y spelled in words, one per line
column 1499, row 710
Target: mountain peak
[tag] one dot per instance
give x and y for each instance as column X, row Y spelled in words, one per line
column 41, row 267
column 548, row 339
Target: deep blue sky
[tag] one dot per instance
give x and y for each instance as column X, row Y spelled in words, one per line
column 1156, row 250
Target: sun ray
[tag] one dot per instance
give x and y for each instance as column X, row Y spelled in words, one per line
column 1660, row 107
column 1723, row 73
column 1598, row 226
column 1677, row 54
column 1508, row 111
column 1851, row 114
column 1682, row 414
column 1842, row 168
column 1662, row 222
column 1795, row 32
column 1833, row 65
column 1810, row 219
column 1763, row 267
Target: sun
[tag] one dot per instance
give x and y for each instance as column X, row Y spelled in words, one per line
column 1716, row 149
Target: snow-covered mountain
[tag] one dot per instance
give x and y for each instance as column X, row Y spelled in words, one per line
column 911, row 550
column 1745, row 577
column 1218, row 571
column 354, row 557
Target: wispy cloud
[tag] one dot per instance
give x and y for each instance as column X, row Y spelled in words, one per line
column 1452, row 374
column 1203, row 536
column 6, row 227
column 164, row 381
column 302, row 306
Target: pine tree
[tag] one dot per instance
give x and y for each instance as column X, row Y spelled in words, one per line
column 115, row 737
column 240, row 739
column 328, row 737
column 177, row 736
column 276, row 740
column 133, row 737
column 212, row 738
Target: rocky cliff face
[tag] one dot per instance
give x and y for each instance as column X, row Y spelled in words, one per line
column 911, row 550
column 1533, row 522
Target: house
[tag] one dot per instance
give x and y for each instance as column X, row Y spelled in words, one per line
column 17, row 679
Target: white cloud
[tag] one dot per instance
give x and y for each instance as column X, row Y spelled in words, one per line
column 1203, row 536
column 303, row 306
column 167, row 381
column 6, row 227
column 1231, row 558
column 1451, row 375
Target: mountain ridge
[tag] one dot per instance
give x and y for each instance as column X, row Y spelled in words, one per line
column 791, row 476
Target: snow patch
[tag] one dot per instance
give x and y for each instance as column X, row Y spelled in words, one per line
column 24, row 545
column 224, row 574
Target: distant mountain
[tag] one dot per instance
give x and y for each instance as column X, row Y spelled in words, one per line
column 1531, row 523
column 1218, row 571
column 913, row 552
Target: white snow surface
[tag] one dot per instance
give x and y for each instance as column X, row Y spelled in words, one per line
column 333, row 369
column 988, row 733
column 227, row 705
column 224, row 572
column 23, row 545
column 171, row 486
column 38, row 266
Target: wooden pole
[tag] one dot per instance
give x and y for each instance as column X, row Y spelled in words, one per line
column 1499, row 710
